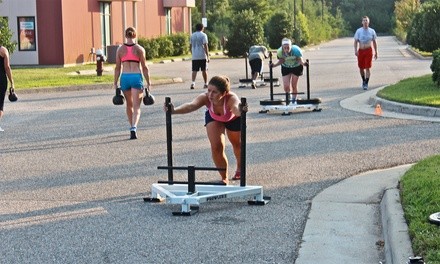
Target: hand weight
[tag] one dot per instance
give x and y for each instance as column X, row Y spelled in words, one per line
column 148, row 98
column 118, row 99
column 12, row 96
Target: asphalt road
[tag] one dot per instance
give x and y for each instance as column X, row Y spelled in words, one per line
column 72, row 184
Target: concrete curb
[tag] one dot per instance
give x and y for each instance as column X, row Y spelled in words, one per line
column 404, row 108
column 398, row 246
column 344, row 219
column 365, row 102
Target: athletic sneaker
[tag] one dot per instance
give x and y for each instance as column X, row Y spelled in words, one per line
column 364, row 85
column 2, row 130
column 205, row 86
column 133, row 135
column 192, row 86
column 254, row 86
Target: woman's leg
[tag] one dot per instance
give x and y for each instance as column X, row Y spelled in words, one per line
column 129, row 106
column 294, row 84
column 136, row 99
column 216, row 136
column 235, row 139
column 286, row 83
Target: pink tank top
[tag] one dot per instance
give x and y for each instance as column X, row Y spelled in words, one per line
column 228, row 115
column 129, row 55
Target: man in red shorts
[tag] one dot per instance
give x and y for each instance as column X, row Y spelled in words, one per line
column 364, row 46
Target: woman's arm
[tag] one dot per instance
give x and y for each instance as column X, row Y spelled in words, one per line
column 234, row 104
column 301, row 61
column 185, row 108
column 145, row 69
column 117, row 67
column 279, row 62
column 7, row 65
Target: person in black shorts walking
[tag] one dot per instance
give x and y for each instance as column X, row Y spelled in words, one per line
column 199, row 54
column 256, row 56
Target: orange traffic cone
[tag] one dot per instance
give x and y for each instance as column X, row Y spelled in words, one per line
column 378, row 110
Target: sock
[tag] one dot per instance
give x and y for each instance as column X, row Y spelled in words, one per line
column 366, row 80
column 363, row 78
column 193, row 83
column 133, row 129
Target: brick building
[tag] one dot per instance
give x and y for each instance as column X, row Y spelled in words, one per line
column 66, row 32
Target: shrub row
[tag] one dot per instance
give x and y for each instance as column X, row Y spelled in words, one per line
column 435, row 67
column 173, row 45
column 165, row 46
column 424, row 32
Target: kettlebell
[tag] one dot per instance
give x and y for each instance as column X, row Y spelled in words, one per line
column 12, row 96
column 148, row 98
column 118, row 99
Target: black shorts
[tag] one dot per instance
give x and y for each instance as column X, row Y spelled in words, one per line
column 298, row 70
column 198, row 65
column 233, row 125
column 256, row 65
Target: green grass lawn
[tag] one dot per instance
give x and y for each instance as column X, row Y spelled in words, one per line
column 420, row 192
column 25, row 78
column 418, row 91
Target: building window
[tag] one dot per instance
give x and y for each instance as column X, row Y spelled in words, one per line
column 168, row 20
column 26, row 33
column 105, row 25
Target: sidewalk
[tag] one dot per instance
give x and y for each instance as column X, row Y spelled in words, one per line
column 346, row 219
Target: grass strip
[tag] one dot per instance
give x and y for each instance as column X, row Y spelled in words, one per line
column 418, row 91
column 420, row 192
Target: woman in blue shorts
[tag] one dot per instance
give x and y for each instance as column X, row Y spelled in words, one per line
column 131, row 65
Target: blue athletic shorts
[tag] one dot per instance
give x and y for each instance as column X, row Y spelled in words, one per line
column 233, row 125
column 131, row 80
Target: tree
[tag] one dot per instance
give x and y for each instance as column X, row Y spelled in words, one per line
column 404, row 11
column 301, row 34
column 424, row 32
column 219, row 15
column 380, row 13
column 260, row 8
column 5, row 36
column 278, row 27
column 247, row 31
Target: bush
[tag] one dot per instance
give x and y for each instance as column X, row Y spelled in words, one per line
column 278, row 27
column 435, row 67
column 5, row 36
column 166, row 48
column 247, row 31
column 424, row 32
column 301, row 33
column 151, row 47
column 213, row 41
column 180, row 43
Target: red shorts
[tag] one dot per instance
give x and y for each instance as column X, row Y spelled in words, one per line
column 365, row 57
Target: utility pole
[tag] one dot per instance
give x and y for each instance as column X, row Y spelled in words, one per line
column 204, row 20
column 294, row 14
